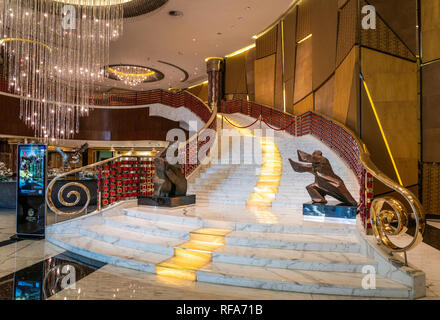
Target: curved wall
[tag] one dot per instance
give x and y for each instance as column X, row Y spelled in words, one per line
column 101, row 124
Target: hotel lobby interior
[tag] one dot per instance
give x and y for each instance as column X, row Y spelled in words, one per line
column 219, row 150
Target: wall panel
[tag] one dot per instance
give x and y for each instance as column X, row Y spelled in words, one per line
column 267, row 43
column 265, row 80
column 303, row 71
column 279, row 96
column 289, row 45
column 430, row 12
column 324, row 30
column 393, row 86
column 347, row 30
column 304, row 25
column 235, row 74
column 431, row 112
column 304, row 105
column 345, row 83
column 324, row 98
column 404, row 23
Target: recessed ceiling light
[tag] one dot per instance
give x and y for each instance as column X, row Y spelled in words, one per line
column 175, row 13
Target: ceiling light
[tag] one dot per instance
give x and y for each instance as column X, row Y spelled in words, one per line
column 241, row 51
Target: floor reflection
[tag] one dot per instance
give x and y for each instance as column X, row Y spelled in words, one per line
column 46, row 278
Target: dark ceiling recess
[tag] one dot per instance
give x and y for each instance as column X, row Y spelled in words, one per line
column 175, row 13
column 139, row 7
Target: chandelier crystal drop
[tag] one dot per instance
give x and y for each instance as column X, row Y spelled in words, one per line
column 54, row 53
column 131, row 75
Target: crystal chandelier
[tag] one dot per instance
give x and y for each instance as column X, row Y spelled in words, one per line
column 131, row 75
column 54, row 53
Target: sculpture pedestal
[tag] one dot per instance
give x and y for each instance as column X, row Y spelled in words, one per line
column 329, row 210
column 169, row 202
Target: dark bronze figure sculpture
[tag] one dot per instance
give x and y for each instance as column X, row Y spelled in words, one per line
column 169, row 181
column 326, row 181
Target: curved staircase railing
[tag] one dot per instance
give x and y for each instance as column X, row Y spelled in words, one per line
column 385, row 216
column 125, row 177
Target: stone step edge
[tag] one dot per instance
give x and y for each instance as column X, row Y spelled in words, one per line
column 252, row 227
column 204, row 276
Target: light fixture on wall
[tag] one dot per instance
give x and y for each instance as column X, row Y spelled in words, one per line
column 54, row 54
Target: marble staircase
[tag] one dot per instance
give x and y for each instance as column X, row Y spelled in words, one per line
column 234, row 183
column 234, row 236
column 299, row 256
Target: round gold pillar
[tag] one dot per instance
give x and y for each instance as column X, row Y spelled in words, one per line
column 215, row 68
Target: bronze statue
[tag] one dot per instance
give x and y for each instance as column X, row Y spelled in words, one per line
column 326, row 181
column 169, row 181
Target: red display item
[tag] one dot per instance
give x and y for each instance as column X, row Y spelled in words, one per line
column 104, row 188
column 104, row 202
column 105, row 195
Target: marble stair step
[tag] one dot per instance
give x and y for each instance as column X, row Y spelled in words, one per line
column 229, row 220
column 292, row 259
column 108, row 253
column 306, row 242
column 132, row 239
column 306, row 281
column 158, row 228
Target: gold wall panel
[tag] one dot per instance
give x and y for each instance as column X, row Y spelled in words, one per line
column 303, row 71
column 267, row 43
column 393, row 85
column 324, row 30
column 431, row 188
column 404, row 23
column 250, row 73
column 430, row 112
column 347, row 30
column 265, row 80
column 304, row 25
column 384, row 39
column 430, row 12
column 235, row 74
column 279, row 99
column 345, row 82
column 289, row 96
column 324, row 98
column 289, row 45
column 304, row 105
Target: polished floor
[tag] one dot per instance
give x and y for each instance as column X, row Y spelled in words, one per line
column 110, row 282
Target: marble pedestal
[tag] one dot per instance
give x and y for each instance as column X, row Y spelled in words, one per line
column 329, row 210
column 169, row 202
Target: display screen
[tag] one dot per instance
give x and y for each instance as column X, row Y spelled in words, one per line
column 31, row 171
column 28, row 290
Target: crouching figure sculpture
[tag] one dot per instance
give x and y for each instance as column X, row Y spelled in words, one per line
column 326, row 181
column 169, row 181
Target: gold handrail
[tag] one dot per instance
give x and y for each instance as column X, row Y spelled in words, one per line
column 381, row 217
column 49, row 201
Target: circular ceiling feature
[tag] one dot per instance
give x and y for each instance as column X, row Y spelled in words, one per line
column 133, row 75
column 136, row 8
